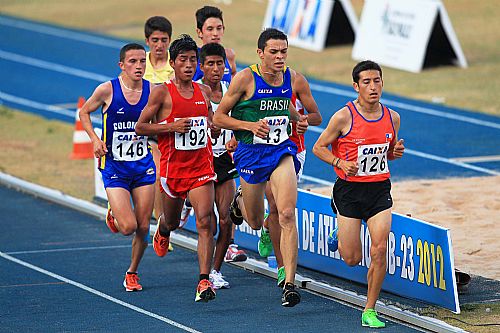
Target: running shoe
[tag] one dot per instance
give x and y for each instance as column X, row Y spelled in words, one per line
column 170, row 247
column 110, row 220
column 217, row 280
column 369, row 319
column 233, row 254
column 281, row 276
column 333, row 240
column 290, row 296
column 234, row 210
column 265, row 245
column 131, row 282
column 186, row 210
column 160, row 243
column 204, row 291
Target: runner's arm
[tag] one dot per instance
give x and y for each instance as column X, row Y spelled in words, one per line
column 303, row 92
column 100, row 97
column 396, row 148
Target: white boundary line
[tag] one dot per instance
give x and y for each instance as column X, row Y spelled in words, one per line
column 478, row 159
column 63, row 33
column 72, row 249
column 98, row 293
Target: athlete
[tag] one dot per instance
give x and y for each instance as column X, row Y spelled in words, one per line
column 212, row 59
column 270, row 233
column 184, row 114
column 158, row 33
column 259, row 101
column 364, row 136
column 125, row 159
column 210, row 29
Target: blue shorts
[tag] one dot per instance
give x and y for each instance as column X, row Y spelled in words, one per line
column 256, row 162
column 113, row 178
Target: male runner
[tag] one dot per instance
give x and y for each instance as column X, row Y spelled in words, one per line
column 184, row 115
column 125, row 159
column 364, row 136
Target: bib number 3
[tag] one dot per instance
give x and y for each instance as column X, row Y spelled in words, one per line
column 278, row 131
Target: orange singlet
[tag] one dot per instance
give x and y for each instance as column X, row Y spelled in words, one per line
column 186, row 155
column 367, row 142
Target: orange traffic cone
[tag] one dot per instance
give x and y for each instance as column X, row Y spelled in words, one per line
column 82, row 146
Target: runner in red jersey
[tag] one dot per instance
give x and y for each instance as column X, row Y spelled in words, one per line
column 363, row 135
column 186, row 164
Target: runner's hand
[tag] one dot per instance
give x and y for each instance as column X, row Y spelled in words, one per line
column 231, row 145
column 302, row 125
column 182, row 125
column 99, row 148
column 214, row 131
column 350, row 168
column 260, row 128
column 398, row 149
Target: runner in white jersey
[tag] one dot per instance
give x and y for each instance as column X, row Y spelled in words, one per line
column 212, row 63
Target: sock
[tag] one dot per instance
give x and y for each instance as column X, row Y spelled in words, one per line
column 204, row 277
column 265, row 229
column 132, row 273
column 231, row 242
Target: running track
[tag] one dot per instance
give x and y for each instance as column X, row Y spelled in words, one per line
column 50, row 67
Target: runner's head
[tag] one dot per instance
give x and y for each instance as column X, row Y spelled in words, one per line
column 209, row 24
column 133, row 61
column 184, row 57
column 158, row 32
column 212, row 62
column 272, row 48
column 367, row 81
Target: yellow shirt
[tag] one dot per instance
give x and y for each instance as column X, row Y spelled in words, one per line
column 157, row 75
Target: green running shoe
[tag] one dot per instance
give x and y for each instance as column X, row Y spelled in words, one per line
column 281, row 276
column 369, row 319
column 265, row 244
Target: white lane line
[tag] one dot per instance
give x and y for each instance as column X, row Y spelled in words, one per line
column 451, row 161
column 63, row 33
column 71, row 249
column 44, row 107
column 409, row 107
column 477, row 159
column 52, row 66
column 98, row 293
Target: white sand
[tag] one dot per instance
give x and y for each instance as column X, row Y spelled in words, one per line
column 469, row 207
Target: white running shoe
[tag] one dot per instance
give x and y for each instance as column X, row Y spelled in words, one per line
column 218, row 280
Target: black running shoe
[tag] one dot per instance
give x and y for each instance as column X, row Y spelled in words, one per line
column 234, row 210
column 290, row 296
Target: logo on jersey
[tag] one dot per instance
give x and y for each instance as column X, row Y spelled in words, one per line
column 199, row 102
column 284, row 90
column 150, row 171
column 265, row 91
column 388, row 137
column 198, row 122
column 374, row 150
column 274, row 105
column 358, row 141
column 120, row 111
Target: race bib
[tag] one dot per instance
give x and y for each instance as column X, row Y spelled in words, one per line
column 128, row 146
column 278, row 133
column 195, row 138
column 372, row 159
column 219, row 144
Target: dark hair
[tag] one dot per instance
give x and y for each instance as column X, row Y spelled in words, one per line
column 157, row 23
column 212, row 49
column 128, row 47
column 364, row 66
column 270, row 33
column 182, row 44
column 205, row 13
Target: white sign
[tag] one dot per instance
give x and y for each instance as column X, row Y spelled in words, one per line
column 313, row 24
column 407, row 35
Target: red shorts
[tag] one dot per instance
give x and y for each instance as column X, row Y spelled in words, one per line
column 179, row 187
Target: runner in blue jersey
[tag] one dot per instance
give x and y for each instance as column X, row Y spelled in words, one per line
column 259, row 101
column 125, row 159
column 210, row 29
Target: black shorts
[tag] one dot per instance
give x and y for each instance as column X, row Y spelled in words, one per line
column 224, row 168
column 361, row 200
